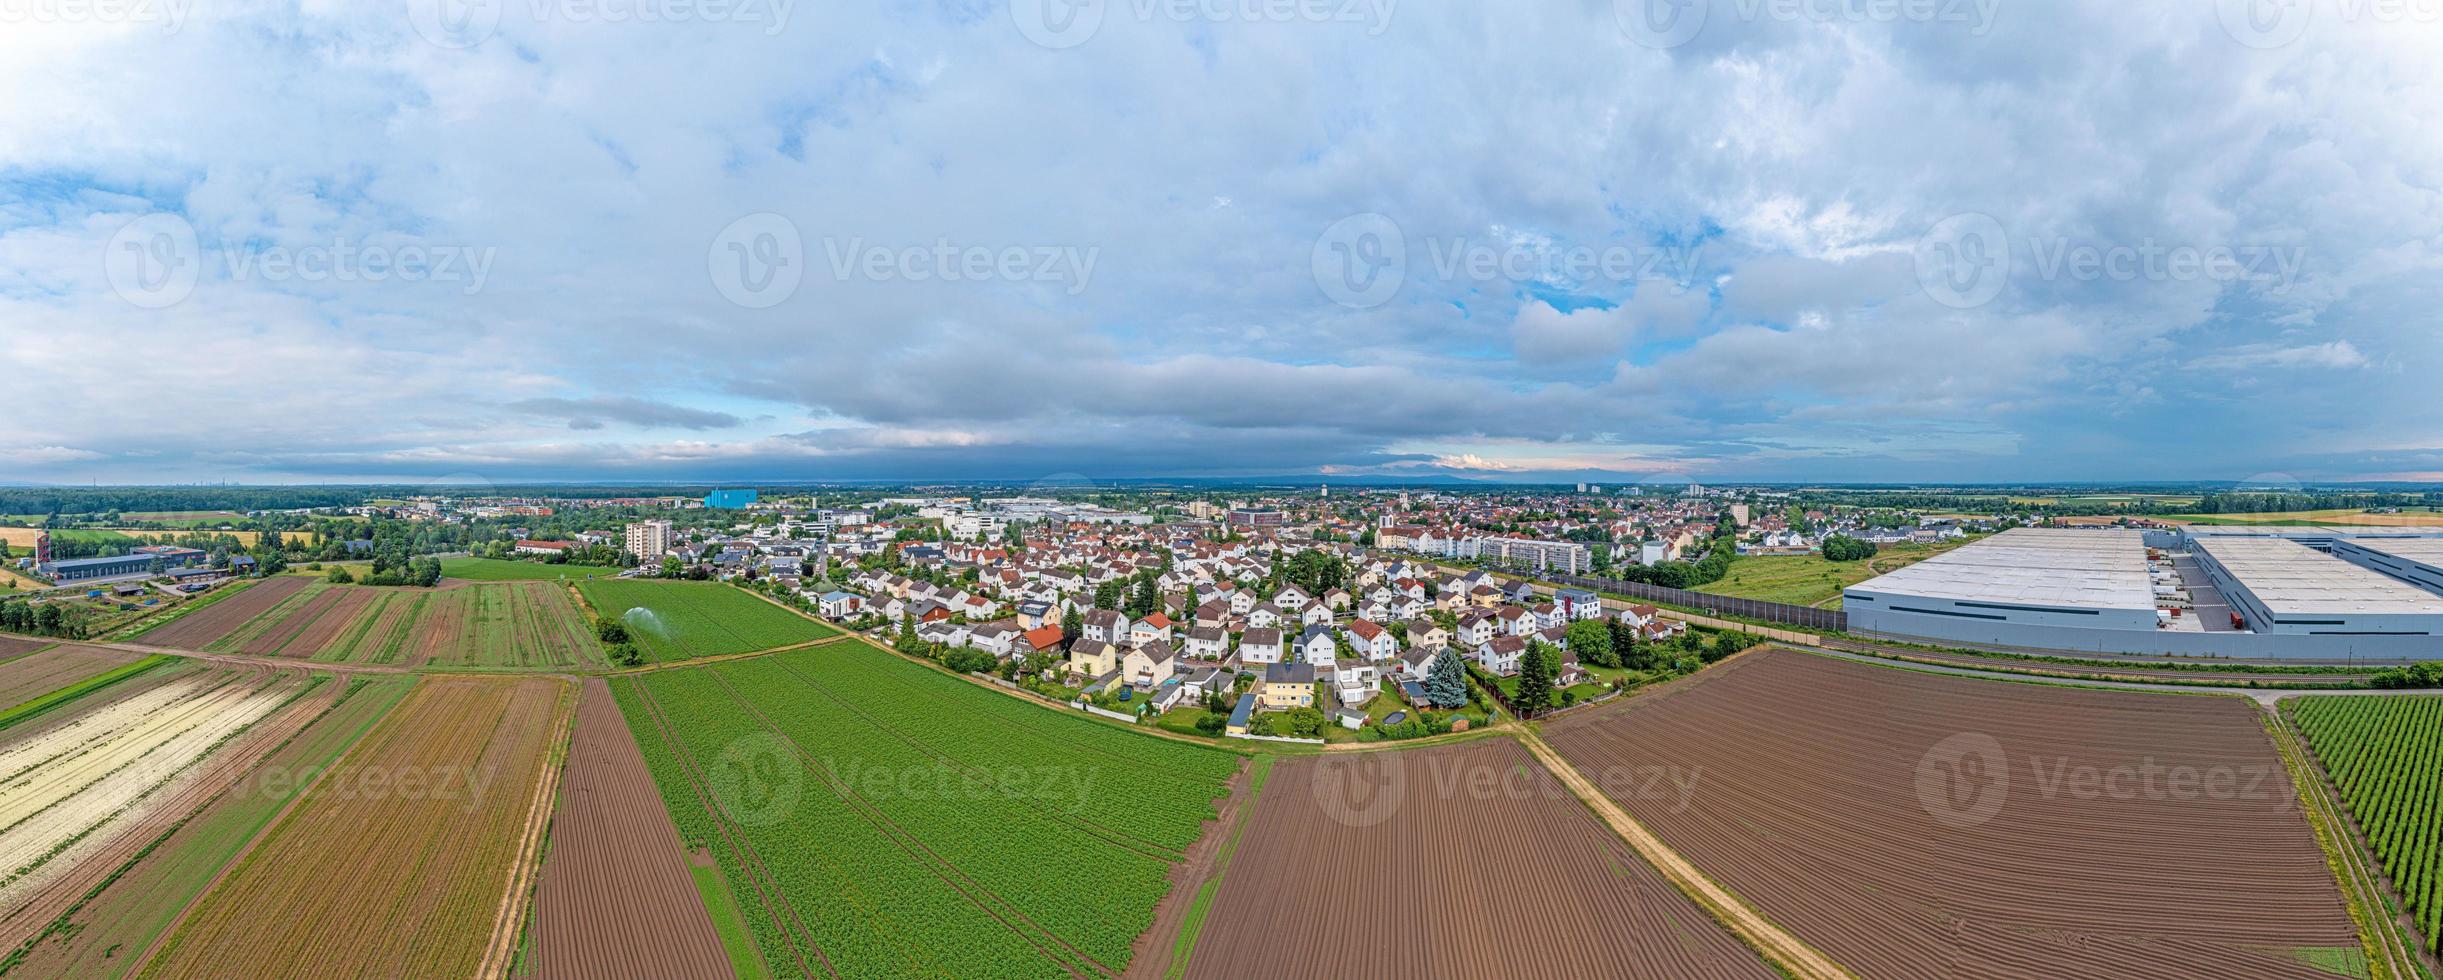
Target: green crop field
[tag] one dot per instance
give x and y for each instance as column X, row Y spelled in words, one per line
column 685, row 620
column 496, row 570
column 2386, row 755
column 894, row 820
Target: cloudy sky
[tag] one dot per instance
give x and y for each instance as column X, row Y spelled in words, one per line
column 1838, row 240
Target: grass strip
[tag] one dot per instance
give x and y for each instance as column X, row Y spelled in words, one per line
column 37, row 706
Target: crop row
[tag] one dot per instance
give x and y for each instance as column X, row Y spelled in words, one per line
column 1152, row 790
column 982, row 846
column 820, row 883
column 2386, row 755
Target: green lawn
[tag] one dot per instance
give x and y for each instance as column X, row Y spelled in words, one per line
column 685, row 620
column 496, row 570
column 1809, row 580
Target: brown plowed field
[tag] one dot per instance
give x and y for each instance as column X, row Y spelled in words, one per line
column 1465, row 861
column 11, row 646
column 334, row 622
column 616, row 899
column 275, row 635
column 370, row 875
column 38, row 674
column 1919, row 825
column 199, row 629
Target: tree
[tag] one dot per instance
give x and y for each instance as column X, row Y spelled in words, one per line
column 610, row 630
column 1592, row 642
column 1841, row 547
column 1072, row 625
column 339, row 575
column 1446, row 683
column 1144, row 600
column 1536, row 670
column 1109, row 595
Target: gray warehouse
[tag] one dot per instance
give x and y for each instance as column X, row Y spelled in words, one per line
column 2027, row 577
column 2337, row 594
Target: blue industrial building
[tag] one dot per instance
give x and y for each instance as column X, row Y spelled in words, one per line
column 729, row 499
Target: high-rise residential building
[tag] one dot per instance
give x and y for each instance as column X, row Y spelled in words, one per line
column 1566, row 557
column 649, row 540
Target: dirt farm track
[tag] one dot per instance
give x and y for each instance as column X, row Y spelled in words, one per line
column 1910, row 824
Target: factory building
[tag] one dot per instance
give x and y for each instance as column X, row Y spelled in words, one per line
column 2024, row 577
column 2280, row 586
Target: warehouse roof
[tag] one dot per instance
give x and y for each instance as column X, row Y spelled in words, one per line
column 2425, row 551
column 2289, row 577
column 2032, row 566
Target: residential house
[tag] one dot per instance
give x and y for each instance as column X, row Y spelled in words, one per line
column 839, row 605
column 1287, row 686
column 1154, row 628
column 1418, row 662
column 1260, row 646
column 1265, row 614
column 1316, row 646
column 1373, row 643
column 1427, row 633
column 1478, row 628
column 1108, row 626
column 1093, row 658
column 1579, row 604
column 1549, row 615
column 1208, row 643
column 1516, row 621
column 1292, row 598
column 1501, row 656
column 1149, row 665
column 1317, row 614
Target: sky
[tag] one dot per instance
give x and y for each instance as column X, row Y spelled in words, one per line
column 1060, row 240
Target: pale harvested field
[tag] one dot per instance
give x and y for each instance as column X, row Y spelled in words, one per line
column 401, row 861
column 70, row 789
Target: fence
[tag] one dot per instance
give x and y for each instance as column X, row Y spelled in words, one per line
column 1804, row 617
